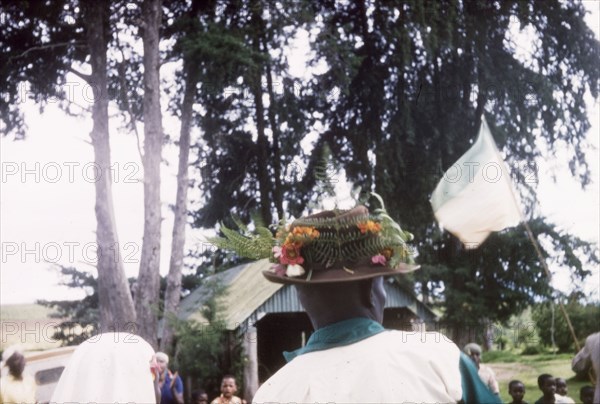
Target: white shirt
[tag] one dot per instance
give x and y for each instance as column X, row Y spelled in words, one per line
column 108, row 368
column 389, row 367
column 17, row 391
column 489, row 378
column 563, row 399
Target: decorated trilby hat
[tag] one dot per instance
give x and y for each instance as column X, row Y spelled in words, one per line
column 330, row 246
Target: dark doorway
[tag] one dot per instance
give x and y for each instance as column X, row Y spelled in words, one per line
column 276, row 333
column 399, row 318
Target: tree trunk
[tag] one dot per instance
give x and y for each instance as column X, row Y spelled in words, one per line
column 147, row 295
column 264, row 179
column 278, row 190
column 250, row 372
column 173, row 293
column 115, row 302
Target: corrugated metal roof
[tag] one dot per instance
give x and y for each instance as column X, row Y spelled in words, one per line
column 246, row 290
column 249, row 296
column 246, row 293
column 285, row 300
column 191, row 306
column 397, row 297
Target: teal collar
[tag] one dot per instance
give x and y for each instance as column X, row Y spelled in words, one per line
column 338, row 334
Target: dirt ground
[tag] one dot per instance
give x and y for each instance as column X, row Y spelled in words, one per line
column 509, row 371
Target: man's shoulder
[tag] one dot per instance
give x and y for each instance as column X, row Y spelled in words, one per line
column 431, row 337
column 423, row 341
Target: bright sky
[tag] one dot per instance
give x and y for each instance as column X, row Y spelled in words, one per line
column 47, row 198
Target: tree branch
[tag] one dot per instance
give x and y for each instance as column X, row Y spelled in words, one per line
column 76, row 72
column 47, row 46
column 123, row 81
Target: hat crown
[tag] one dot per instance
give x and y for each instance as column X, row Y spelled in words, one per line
column 330, row 246
column 340, row 237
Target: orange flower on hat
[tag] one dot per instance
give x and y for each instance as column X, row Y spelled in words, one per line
column 305, row 232
column 369, row 226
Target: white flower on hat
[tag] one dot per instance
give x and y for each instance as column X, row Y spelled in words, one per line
column 294, row 270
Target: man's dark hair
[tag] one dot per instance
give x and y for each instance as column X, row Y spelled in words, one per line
column 228, row 376
column 542, row 379
column 586, row 390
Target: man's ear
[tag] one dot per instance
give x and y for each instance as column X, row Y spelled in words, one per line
column 366, row 293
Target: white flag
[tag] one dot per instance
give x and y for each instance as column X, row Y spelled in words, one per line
column 475, row 197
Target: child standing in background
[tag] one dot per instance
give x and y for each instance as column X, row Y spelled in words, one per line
column 586, row 395
column 516, row 389
column 547, row 384
column 228, row 389
column 561, row 391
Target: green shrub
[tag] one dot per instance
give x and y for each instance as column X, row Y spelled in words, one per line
column 499, row 356
column 532, row 350
column 583, row 317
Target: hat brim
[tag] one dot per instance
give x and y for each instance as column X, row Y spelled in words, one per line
column 334, row 275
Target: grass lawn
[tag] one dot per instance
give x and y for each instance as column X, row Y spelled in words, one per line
column 29, row 325
column 527, row 368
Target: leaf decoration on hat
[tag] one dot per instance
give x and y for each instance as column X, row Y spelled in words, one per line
column 325, row 239
column 255, row 246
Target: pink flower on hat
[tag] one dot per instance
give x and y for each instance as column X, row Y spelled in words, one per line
column 378, row 259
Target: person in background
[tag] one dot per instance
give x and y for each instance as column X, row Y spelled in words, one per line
column 562, row 391
column 109, row 368
column 589, row 357
column 485, row 372
column 586, row 395
column 171, row 385
column 228, row 390
column 547, row 385
column 16, row 387
column 516, row 389
column 199, row 397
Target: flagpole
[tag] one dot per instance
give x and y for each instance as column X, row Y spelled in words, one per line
column 549, row 275
column 539, row 254
column 533, row 240
column 542, row 261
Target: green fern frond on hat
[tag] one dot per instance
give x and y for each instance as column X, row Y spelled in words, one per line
column 254, row 246
column 324, row 239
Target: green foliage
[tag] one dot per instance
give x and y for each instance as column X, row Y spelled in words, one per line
column 35, row 59
column 397, row 98
column 398, row 101
column 584, row 318
column 200, row 350
column 339, row 238
column 500, row 356
column 82, row 316
column 206, row 351
column 532, row 350
column 248, row 245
